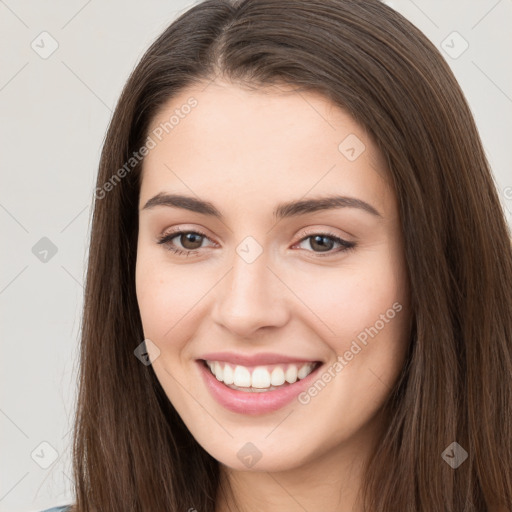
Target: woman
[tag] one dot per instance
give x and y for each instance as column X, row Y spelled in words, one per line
column 298, row 292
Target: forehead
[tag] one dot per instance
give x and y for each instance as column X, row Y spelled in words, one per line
column 223, row 137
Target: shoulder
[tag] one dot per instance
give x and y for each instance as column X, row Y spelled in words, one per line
column 63, row 508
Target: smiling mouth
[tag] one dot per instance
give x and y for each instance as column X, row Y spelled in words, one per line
column 258, row 379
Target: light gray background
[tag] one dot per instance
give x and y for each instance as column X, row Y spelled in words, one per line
column 54, row 113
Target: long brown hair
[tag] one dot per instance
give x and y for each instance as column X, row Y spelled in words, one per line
column 132, row 452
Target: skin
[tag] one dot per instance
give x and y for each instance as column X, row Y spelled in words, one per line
column 245, row 151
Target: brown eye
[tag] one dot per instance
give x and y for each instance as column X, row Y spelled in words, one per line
column 325, row 243
column 321, row 242
column 189, row 241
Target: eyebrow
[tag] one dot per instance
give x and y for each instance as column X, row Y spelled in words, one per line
column 282, row 211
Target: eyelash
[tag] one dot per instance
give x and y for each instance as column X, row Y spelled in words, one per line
column 165, row 240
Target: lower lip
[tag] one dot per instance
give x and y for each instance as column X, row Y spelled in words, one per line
column 245, row 402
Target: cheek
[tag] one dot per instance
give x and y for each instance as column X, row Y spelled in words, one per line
column 159, row 303
column 351, row 298
column 367, row 310
column 169, row 299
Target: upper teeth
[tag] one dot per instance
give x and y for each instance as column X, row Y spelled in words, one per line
column 260, row 376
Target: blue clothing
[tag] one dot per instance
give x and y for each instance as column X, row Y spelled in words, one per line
column 63, row 508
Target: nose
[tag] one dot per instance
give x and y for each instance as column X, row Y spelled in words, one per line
column 251, row 297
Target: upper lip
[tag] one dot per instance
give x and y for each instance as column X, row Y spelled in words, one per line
column 254, row 359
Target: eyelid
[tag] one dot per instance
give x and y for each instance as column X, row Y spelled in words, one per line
column 346, row 245
column 178, row 230
column 169, row 235
column 306, row 233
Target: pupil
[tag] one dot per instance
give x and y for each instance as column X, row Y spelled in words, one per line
column 322, row 239
column 189, row 237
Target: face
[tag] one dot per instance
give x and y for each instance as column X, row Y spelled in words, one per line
column 279, row 317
